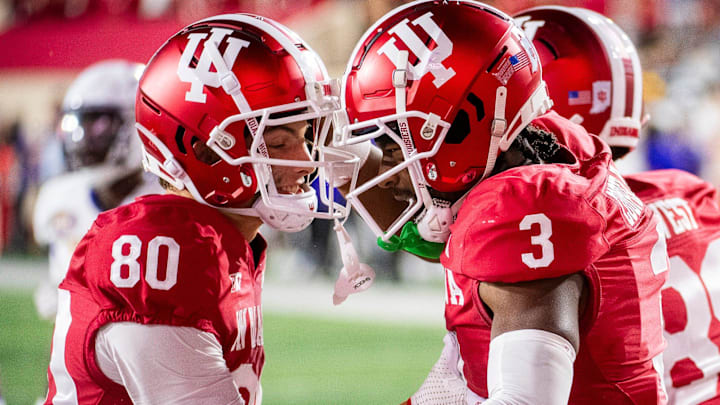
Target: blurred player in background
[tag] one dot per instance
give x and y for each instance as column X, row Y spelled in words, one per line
column 104, row 170
column 594, row 77
column 548, row 254
column 162, row 301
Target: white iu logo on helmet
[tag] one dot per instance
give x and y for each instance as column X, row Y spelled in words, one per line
column 428, row 60
column 529, row 26
column 201, row 76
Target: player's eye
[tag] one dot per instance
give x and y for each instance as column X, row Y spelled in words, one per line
column 310, row 133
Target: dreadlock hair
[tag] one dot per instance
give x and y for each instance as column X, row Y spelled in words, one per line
column 619, row 152
column 537, row 145
column 532, row 146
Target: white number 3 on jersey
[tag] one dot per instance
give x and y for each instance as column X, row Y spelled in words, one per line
column 542, row 240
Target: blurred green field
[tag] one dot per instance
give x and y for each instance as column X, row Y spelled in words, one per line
column 309, row 360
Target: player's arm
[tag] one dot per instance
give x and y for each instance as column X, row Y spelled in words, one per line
column 534, row 309
column 535, row 336
column 161, row 364
column 45, row 231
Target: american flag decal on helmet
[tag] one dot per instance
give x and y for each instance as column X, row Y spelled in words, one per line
column 579, row 97
column 509, row 66
column 519, row 60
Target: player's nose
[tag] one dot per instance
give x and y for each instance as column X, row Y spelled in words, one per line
column 389, row 182
column 301, row 153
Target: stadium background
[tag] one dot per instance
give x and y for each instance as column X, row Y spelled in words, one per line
column 378, row 346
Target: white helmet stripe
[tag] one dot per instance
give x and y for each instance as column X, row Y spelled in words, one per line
column 626, row 102
column 282, row 37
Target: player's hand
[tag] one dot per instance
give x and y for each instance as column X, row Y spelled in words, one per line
column 445, row 384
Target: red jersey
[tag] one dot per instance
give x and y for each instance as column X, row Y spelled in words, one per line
column 166, row 260
column 690, row 218
column 543, row 221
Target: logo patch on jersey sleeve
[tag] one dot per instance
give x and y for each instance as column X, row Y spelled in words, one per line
column 236, row 280
column 630, row 205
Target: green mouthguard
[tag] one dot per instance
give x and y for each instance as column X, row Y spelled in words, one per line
column 411, row 241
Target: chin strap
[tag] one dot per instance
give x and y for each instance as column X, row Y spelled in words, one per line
column 434, row 225
column 498, row 129
column 231, row 86
column 504, row 133
column 289, row 218
column 399, row 81
column 354, row 277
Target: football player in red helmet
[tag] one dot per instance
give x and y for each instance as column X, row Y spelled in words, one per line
column 547, row 253
column 592, row 70
column 162, row 301
column 584, row 53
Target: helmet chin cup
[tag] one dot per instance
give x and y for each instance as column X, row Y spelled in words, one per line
column 434, row 226
column 287, row 212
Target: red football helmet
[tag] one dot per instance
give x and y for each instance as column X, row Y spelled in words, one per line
column 219, row 84
column 452, row 83
column 592, row 70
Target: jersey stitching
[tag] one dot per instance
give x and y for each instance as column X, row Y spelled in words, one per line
column 639, row 232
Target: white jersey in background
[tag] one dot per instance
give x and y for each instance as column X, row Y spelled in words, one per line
column 64, row 211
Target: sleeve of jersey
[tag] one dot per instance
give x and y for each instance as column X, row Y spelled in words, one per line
column 522, row 232
column 129, row 355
